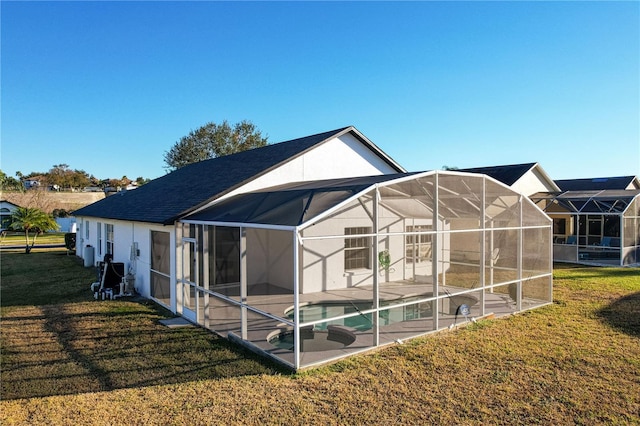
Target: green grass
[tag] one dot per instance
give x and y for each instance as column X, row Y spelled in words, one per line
column 13, row 238
column 67, row 359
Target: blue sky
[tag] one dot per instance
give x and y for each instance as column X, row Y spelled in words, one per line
column 108, row 87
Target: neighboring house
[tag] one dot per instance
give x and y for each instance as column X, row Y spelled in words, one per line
column 596, row 221
column 321, row 247
column 32, row 183
column 527, row 179
column 7, row 209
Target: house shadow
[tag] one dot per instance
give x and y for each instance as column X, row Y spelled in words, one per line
column 103, row 346
column 623, row 314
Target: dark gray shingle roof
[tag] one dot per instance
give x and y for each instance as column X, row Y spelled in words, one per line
column 508, row 174
column 165, row 199
column 618, row 182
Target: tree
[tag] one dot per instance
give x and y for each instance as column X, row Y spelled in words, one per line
column 213, row 140
column 8, row 183
column 29, row 219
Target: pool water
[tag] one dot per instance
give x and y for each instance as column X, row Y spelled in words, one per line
column 363, row 321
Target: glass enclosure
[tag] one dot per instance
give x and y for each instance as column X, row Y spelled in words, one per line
column 355, row 264
column 594, row 227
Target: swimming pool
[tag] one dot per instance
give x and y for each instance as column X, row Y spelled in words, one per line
column 340, row 333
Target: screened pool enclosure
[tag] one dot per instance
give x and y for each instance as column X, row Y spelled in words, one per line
column 594, row 227
column 307, row 273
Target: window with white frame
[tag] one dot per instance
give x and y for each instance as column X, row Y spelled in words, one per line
column 100, row 239
column 108, row 230
column 357, row 249
column 86, row 230
column 418, row 246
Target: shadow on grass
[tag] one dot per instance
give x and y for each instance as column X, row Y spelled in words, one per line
column 103, row 346
column 623, row 314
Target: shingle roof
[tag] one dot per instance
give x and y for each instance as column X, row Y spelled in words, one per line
column 165, row 199
column 618, row 182
column 508, row 174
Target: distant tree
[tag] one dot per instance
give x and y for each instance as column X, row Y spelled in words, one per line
column 445, row 167
column 8, row 183
column 141, row 181
column 60, row 213
column 30, row 219
column 79, row 179
column 213, row 140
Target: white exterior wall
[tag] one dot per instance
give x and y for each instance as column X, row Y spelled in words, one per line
column 270, row 257
column 340, row 157
column 125, row 234
column 532, row 182
column 323, row 259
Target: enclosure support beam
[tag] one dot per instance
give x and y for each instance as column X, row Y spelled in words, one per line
column 376, row 269
column 520, row 253
column 243, row 282
column 206, row 258
column 483, row 244
column 179, row 271
column 296, row 300
column 435, row 253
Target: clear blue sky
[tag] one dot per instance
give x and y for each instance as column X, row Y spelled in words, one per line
column 108, row 87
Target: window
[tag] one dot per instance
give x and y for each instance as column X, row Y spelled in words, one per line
column 100, row 239
column 357, row 250
column 559, row 226
column 86, row 230
column 418, row 247
column 108, row 230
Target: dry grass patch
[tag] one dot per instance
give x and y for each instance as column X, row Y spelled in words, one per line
column 573, row 362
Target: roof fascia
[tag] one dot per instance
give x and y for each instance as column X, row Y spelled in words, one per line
column 373, row 147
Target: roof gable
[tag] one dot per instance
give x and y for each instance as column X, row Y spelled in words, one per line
column 165, row 199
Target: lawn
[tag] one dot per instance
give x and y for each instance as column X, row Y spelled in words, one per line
column 14, row 238
column 67, row 359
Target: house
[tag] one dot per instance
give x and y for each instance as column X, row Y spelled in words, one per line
column 321, row 247
column 7, row 209
column 596, row 221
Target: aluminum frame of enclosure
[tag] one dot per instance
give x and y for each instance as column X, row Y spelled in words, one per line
column 435, row 250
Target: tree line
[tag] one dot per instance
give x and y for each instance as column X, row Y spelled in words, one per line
column 208, row 141
column 62, row 178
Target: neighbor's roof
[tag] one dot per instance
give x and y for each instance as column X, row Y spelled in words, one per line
column 588, row 201
column 508, row 174
column 595, row 184
column 165, row 199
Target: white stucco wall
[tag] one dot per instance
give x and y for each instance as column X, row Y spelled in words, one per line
column 340, row 157
column 323, row 259
column 270, row 257
column 532, row 182
column 125, row 234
